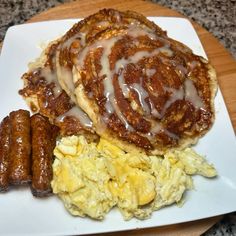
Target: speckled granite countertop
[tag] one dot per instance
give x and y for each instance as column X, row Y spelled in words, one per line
column 217, row 16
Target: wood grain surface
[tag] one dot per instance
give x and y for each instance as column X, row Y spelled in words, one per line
column 223, row 62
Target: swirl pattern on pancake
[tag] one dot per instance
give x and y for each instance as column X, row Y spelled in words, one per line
column 141, row 89
column 44, row 94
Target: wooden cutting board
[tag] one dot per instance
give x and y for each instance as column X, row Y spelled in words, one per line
column 223, row 62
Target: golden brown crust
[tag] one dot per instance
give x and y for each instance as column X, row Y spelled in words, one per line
column 46, row 96
column 178, row 74
column 141, row 89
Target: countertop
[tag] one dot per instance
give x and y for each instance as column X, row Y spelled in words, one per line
column 217, row 16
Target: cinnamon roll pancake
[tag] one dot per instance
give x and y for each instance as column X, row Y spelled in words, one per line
column 141, row 89
column 44, row 94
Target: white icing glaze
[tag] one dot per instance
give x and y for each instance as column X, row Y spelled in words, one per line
column 81, row 37
column 106, row 71
column 166, row 51
column 51, row 77
column 150, row 72
column 66, row 44
column 124, row 87
column 109, row 94
column 48, row 75
column 188, row 91
column 107, row 45
column 68, row 79
column 135, row 32
column 102, row 24
column 77, row 113
column 142, row 95
column 170, row 134
column 120, row 115
column 175, row 94
column 122, row 63
column 117, row 16
column 45, row 104
column 181, row 69
column 156, row 128
column 193, row 64
column 105, row 63
column 57, row 90
column 191, row 94
column 154, row 111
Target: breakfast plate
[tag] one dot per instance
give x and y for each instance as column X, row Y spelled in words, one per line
column 48, row 216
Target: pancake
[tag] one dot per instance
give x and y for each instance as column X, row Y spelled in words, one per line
column 81, row 34
column 44, row 94
column 120, row 75
column 142, row 89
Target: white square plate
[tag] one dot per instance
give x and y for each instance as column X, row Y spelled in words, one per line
column 22, row 214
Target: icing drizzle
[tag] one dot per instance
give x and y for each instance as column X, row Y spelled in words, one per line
column 77, row 113
column 187, row 91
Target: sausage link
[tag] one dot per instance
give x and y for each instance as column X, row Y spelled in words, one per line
column 4, row 153
column 19, row 171
column 43, row 142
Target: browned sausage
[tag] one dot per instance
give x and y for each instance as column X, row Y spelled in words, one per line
column 43, row 142
column 4, row 153
column 19, row 171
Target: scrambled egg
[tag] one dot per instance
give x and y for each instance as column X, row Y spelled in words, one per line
column 92, row 178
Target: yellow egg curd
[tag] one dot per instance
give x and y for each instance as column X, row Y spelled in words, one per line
column 92, row 178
